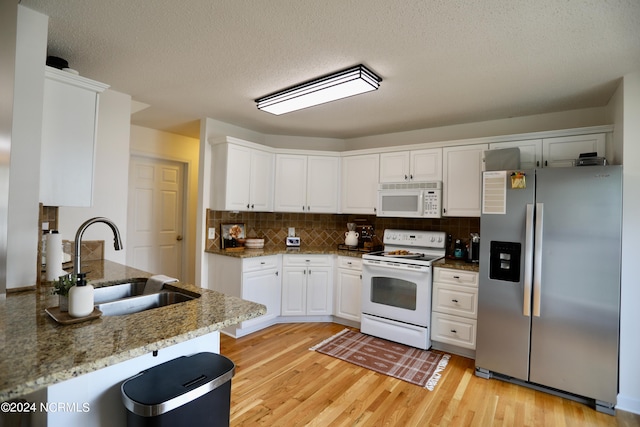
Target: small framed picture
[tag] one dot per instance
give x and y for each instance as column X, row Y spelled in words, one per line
column 230, row 233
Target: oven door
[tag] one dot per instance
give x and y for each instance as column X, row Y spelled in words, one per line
column 397, row 291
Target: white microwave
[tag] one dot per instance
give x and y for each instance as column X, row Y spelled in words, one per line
column 410, row 200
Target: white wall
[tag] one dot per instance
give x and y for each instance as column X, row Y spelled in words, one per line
column 111, row 177
column 629, row 397
column 24, row 179
column 168, row 146
column 536, row 123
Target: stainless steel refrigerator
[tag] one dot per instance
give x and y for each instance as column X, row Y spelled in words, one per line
column 549, row 287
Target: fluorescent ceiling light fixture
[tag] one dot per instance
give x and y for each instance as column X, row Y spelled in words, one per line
column 342, row 84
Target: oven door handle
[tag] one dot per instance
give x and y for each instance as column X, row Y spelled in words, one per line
column 396, row 265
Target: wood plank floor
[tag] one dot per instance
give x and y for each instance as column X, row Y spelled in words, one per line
column 280, row 382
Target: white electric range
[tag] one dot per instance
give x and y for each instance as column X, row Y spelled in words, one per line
column 396, row 286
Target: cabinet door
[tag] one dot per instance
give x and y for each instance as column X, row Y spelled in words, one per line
column 348, row 294
column 261, row 181
column 262, row 287
column 69, row 124
column 530, row 152
column 294, row 291
column 394, row 167
column 238, row 178
column 323, row 177
column 563, row 151
column 426, row 165
column 462, row 178
column 319, row 291
column 291, row 183
column 360, row 184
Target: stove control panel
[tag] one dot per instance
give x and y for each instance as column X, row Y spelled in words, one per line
column 419, row 238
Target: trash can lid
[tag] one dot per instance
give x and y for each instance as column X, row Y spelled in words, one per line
column 175, row 383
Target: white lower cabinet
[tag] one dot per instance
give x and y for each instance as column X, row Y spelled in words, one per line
column 454, row 309
column 254, row 279
column 348, row 288
column 307, row 285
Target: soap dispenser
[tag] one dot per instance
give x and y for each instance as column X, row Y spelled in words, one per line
column 80, row 297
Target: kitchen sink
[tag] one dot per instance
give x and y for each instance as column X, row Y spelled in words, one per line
column 132, row 288
column 140, row 303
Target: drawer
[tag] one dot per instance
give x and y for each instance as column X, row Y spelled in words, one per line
column 455, row 299
column 350, row 263
column 306, row 260
column 259, row 263
column 453, row 330
column 457, row 277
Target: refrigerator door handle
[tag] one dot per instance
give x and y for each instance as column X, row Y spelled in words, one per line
column 537, row 260
column 528, row 262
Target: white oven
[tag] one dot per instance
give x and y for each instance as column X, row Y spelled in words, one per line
column 410, row 200
column 396, row 286
column 396, row 291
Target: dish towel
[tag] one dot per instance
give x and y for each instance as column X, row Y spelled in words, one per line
column 155, row 283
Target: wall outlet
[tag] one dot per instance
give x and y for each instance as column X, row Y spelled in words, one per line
column 212, row 233
column 292, row 231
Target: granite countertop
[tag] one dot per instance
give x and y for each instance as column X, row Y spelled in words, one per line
column 331, row 250
column 37, row 352
column 281, row 249
column 457, row 264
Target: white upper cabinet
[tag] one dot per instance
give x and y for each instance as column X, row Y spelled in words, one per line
column 359, row 193
column 69, row 127
column 291, row 183
column 563, row 151
column 555, row 152
column 530, row 152
column 462, row 179
column 418, row 165
column 307, row 183
column 243, row 178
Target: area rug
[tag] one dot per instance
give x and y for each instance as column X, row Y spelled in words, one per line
column 420, row 367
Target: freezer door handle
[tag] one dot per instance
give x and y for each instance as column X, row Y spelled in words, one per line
column 528, row 262
column 537, row 260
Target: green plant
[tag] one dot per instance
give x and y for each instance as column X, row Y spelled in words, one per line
column 63, row 284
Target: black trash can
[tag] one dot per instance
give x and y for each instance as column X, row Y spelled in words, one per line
column 188, row 391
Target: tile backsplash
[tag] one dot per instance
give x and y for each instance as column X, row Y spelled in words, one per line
column 327, row 229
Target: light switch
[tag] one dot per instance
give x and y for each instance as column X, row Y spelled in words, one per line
column 212, row 233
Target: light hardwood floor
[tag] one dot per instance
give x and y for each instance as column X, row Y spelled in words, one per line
column 280, row 382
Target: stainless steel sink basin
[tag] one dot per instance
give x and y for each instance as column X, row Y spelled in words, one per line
column 136, row 304
column 122, row 290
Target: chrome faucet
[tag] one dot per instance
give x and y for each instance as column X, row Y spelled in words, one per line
column 117, row 241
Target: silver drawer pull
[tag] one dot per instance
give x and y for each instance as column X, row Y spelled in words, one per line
column 454, row 300
column 456, row 277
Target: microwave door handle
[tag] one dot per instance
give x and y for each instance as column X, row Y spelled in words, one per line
column 528, row 262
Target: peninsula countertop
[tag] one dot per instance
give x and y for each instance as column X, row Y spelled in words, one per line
column 37, row 352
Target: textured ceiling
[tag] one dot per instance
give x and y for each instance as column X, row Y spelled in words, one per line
column 442, row 62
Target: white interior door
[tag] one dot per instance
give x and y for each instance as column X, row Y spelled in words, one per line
column 155, row 216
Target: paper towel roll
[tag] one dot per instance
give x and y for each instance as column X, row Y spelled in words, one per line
column 54, row 256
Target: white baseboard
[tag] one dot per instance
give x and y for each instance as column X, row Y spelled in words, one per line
column 628, row 403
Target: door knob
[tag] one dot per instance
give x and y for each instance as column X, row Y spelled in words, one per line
column 179, row 238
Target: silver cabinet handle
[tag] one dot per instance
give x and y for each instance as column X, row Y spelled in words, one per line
column 537, row 260
column 179, row 238
column 454, row 331
column 528, row 262
column 454, row 300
